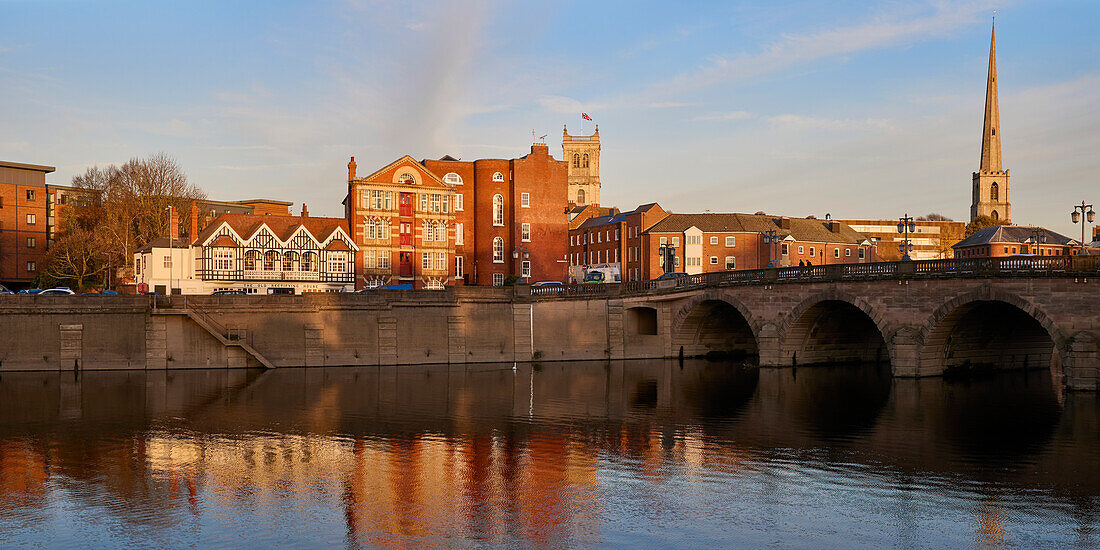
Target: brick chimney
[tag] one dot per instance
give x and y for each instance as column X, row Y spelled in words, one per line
column 540, row 149
column 305, row 211
column 194, row 230
column 174, row 225
column 785, row 223
column 351, row 169
column 834, row 226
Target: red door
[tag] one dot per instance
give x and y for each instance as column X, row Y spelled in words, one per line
column 406, row 204
column 405, row 268
column 406, row 233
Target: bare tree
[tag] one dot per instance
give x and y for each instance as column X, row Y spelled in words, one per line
column 934, row 217
column 75, row 260
column 980, row 222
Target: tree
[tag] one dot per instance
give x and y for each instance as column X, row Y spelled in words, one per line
column 77, row 260
column 981, row 221
column 934, row 217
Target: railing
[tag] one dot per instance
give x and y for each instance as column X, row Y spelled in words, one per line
column 1039, row 266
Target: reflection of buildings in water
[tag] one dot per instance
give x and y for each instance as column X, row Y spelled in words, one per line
column 24, row 471
column 991, row 524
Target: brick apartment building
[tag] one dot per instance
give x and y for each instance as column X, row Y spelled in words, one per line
column 932, row 240
column 710, row 242
column 499, row 218
column 23, row 222
column 1008, row 240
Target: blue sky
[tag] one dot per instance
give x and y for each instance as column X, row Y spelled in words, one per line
column 858, row 109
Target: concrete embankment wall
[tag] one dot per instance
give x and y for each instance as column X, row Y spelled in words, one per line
column 460, row 325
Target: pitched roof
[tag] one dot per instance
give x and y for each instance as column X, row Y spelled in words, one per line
column 283, row 226
column 163, row 242
column 802, row 229
column 1011, row 234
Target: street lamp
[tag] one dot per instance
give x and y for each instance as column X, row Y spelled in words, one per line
column 1037, row 237
column 1090, row 215
column 172, row 260
column 668, row 252
column 107, row 273
column 905, row 227
column 770, row 238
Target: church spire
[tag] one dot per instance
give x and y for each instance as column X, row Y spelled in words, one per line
column 991, row 139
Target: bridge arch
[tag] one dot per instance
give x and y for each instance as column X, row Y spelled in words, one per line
column 834, row 327
column 988, row 328
column 713, row 321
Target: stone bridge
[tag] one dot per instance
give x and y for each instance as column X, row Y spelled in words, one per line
column 924, row 318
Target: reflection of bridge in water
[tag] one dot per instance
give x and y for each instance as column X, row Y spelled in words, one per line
column 923, row 317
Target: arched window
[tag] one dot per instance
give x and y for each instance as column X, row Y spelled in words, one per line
column 498, row 210
column 270, row 257
column 585, row 163
column 250, row 259
column 453, row 179
column 576, row 160
column 441, row 232
column 498, row 250
column 309, row 261
column 290, row 261
column 994, row 215
column 994, row 192
column 497, row 176
column 371, row 229
column 407, row 178
column 580, row 196
column 429, row 230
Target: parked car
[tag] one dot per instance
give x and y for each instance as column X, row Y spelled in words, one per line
column 229, row 292
column 547, row 283
column 672, row 275
column 59, row 291
column 4, row 290
column 29, row 291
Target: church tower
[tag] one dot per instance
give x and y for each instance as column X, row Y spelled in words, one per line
column 991, row 181
column 582, row 154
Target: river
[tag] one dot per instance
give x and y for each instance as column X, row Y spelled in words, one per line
column 610, row 454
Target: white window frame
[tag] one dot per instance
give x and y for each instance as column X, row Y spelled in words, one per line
column 801, row 251
column 460, row 267
column 525, row 269
column 714, row 260
column 731, row 263
column 525, row 232
column 731, row 242
column 498, row 177
column 498, row 279
column 459, row 207
column 453, row 178
column 836, row 252
column 525, row 200
column 498, row 210
column 714, row 240
column 498, row 250
column 460, row 237
column 847, row 252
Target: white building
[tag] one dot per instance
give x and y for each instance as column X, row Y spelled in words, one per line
column 255, row 253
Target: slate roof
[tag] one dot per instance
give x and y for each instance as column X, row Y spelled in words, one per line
column 1011, row 234
column 802, row 229
column 163, row 242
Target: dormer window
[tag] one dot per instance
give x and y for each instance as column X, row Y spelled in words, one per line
column 498, row 177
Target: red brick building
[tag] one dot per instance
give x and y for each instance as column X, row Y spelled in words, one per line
column 614, row 238
column 504, row 217
column 24, row 224
column 1008, row 240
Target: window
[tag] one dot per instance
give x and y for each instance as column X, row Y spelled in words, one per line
column 459, row 237
column 498, row 279
column 368, row 259
column 994, row 192
column 847, row 252
column 498, row 177
column 498, row 250
column 731, row 263
column 785, row 249
column 693, row 239
column 137, row 267
column 383, row 259
column 338, row 262
column 580, row 196
column 525, row 200
column 423, row 202
column 378, row 199
column 458, row 202
column 460, row 267
column 525, row 269
column 576, row 160
column 571, row 240
column 664, row 240
column 836, row 252
column 676, row 261
column 290, row 261
column 616, row 234
column 30, row 219
column 429, row 230
column 435, row 202
column 599, row 237
column 441, row 232
column 31, row 267
column 407, row 178
column 30, row 194
column 30, row 242
column 498, row 209
column 714, row 240
column 446, row 206
column 453, row 179
column 441, row 261
column 1006, row 250
column 731, row 242
column 525, row 233
column 223, row 259
column 426, row 261
column 800, row 251
column 168, row 262
column 811, row 251
column 250, row 259
column 676, row 241
column 270, row 257
column 584, row 161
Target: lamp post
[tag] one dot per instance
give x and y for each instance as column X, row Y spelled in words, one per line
column 1090, row 215
column 905, row 227
column 515, row 256
column 668, row 252
column 1037, row 237
column 107, row 273
column 171, row 260
column 770, row 238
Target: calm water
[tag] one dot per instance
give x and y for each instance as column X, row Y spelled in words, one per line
column 634, row 454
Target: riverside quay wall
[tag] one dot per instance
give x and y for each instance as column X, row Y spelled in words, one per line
column 924, row 320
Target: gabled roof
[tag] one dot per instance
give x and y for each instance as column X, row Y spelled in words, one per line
column 283, row 227
column 1016, row 234
column 430, row 179
column 802, row 229
column 163, row 242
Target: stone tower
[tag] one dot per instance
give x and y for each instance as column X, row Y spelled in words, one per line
column 582, row 154
column 991, row 180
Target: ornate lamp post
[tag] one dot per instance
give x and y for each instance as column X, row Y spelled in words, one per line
column 905, row 227
column 1037, row 237
column 1090, row 215
column 668, row 252
column 770, row 238
column 172, row 260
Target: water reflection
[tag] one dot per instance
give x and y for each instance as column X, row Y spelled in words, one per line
column 560, row 454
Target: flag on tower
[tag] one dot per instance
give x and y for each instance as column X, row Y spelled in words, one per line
column 585, row 116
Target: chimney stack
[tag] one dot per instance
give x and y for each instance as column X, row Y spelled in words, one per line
column 174, row 225
column 351, row 169
column 194, row 222
column 305, row 211
column 785, row 223
column 834, row 226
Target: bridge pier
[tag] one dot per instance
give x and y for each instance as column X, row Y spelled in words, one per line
column 1082, row 363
